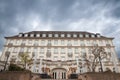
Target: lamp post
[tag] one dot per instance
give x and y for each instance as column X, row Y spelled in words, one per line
column 7, row 54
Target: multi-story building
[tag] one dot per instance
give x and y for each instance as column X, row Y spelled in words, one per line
column 59, row 52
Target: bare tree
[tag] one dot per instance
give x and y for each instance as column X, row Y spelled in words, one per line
column 87, row 62
column 97, row 54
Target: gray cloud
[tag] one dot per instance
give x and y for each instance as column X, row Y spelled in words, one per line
column 101, row 16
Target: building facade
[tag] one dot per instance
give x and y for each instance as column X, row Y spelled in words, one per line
column 59, row 53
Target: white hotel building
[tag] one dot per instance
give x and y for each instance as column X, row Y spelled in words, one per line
column 59, row 52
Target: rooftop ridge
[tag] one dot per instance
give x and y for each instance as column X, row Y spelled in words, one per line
column 78, row 33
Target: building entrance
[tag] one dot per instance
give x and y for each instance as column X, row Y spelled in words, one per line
column 59, row 73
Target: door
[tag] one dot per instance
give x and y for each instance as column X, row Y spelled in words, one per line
column 59, row 74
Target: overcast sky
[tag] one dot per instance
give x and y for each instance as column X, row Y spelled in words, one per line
column 99, row 16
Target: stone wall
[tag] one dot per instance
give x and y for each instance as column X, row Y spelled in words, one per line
column 99, row 76
column 15, row 75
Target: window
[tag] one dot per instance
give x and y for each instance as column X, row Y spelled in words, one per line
column 88, row 42
column 92, row 36
column 42, row 50
column 48, row 50
column 62, row 42
column 108, row 50
column 10, row 43
column 69, row 43
column 31, row 35
column 68, row 35
column 76, row 57
column 62, row 35
column 35, row 50
column 43, row 35
column 29, row 50
column 36, row 43
column 26, row 35
column 56, row 35
column 37, row 35
column 15, row 50
column 41, row 57
column 84, row 54
column 55, row 51
column 49, row 35
column 29, row 42
column 95, row 43
column 75, row 42
column 49, row 43
column 23, row 43
column 107, row 42
column 76, row 51
column 81, row 35
column 55, row 57
column 63, row 58
column 87, row 35
column 98, row 35
column 55, row 42
column 83, row 50
column 74, row 35
column 48, row 54
column 22, row 50
column 70, row 52
column 62, row 51
column 17, row 41
column 42, row 42
column 20, row 35
column 82, row 43
column 101, row 42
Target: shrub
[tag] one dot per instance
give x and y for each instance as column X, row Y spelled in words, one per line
column 14, row 67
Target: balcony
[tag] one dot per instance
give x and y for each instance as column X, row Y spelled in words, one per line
column 35, row 45
column 55, row 52
column 10, row 44
column 20, row 53
column 95, row 44
column 69, row 44
column 48, row 54
column 76, row 52
column 70, row 54
column 108, row 45
column 82, row 44
column 23, row 44
column 62, row 52
column 49, row 44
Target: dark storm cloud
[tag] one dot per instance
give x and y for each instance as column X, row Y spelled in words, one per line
column 91, row 15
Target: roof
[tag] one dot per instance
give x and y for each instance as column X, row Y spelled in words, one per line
column 84, row 33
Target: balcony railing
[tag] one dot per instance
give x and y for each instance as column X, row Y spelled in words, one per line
column 70, row 54
column 23, row 44
column 49, row 44
column 108, row 45
column 82, row 44
column 10, row 44
column 69, row 44
column 62, row 52
column 48, row 54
